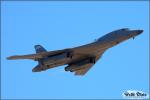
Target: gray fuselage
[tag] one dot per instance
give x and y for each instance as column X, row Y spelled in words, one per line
column 95, row 48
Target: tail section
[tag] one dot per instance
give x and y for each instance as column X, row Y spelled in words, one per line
column 39, row 49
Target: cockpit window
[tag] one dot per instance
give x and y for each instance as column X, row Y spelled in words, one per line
column 106, row 37
column 125, row 29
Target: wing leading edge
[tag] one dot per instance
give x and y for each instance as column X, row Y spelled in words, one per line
column 36, row 56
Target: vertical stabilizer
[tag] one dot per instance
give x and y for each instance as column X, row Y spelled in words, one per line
column 39, row 48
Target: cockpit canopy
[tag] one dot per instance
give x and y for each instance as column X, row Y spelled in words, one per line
column 114, row 34
column 125, row 29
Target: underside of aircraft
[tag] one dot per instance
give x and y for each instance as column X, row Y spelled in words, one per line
column 79, row 59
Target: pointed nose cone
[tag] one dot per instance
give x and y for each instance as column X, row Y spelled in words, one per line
column 139, row 32
column 135, row 33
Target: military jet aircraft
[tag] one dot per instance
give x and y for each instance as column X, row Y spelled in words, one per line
column 79, row 59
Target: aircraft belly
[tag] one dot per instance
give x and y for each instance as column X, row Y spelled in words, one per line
column 55, row 62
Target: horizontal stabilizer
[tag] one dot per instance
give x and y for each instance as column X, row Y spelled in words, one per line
column 38, row 68
column 31, row 56
column 35, row 56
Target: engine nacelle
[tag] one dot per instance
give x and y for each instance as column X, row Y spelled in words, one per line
column 80, row 64
column 62, row 57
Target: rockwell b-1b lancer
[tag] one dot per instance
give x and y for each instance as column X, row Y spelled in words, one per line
column 79, row 59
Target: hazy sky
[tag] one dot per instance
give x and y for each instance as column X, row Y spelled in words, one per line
column 59, row 25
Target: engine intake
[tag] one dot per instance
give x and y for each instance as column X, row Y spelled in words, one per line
column 57, row 58
column 80, row 64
